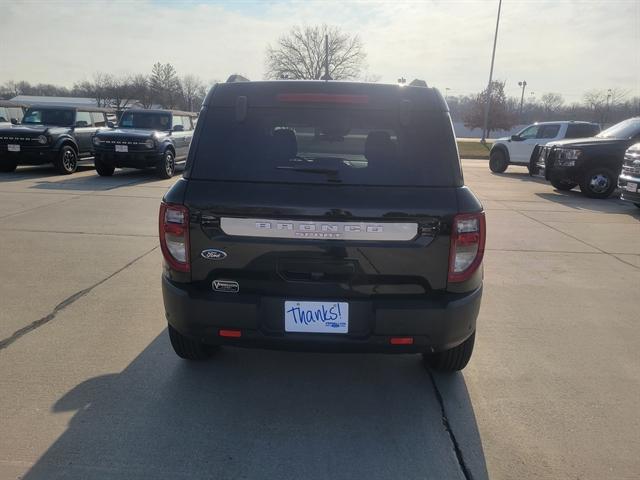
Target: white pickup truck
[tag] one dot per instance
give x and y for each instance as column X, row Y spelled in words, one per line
column 517, row 149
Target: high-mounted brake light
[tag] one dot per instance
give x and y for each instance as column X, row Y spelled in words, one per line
column 322, row 98
column 468, row 235
column 174, row 236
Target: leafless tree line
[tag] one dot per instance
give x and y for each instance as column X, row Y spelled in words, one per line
column 603, row 106
column 162, row 87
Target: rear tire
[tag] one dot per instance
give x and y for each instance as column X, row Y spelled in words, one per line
column 67, row 162
column 498, row 161
column 563, row 185
column 103, row 169
column 166, row 166
column 190, row 349
column 598, row 182
column 451, row 360
column 8, row 166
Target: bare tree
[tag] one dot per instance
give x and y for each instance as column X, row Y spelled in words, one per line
column 12, row 89
column 165, row 84
column 120, row 93
column 300, row 54
column 140, row 90
column 551, row 102
column 98, row 89
column 500, row 116
column 601, row 102
column 191, row 88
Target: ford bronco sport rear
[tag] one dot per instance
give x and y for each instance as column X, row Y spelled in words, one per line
column 323, row 216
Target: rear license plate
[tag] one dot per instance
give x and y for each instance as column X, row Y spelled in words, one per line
column 13, row 148
column 631, row 187
column 316, row 317
column 122, row 148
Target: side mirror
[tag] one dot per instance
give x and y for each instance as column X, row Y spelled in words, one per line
column 81, row 124
column 14, row 121
column 111, row 125
column 516, row 138
column 178, row 128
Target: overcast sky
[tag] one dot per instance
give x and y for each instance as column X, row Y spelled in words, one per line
column 556, row 46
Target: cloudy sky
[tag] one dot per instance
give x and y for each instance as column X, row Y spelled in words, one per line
column 556, row 46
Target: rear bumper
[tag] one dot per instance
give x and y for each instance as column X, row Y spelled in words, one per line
column 434, row 324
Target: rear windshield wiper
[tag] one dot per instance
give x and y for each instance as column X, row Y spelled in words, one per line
column 332, row 173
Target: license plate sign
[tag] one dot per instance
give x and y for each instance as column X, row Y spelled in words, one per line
column 13, row 148
column 316, row 317
column 631, row 187
column 122, row 148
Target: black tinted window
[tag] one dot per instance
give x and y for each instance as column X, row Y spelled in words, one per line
column 146, row 120
column 582, row 131
column 316, row 145
column 63, row 118
column 548, row 131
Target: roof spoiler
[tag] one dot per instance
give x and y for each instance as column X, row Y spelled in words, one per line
column 237, row 78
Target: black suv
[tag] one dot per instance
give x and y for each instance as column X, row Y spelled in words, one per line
column 51, row 134
column 323, row 215
column 143, row 139
column 592, row 163
column 629, row 179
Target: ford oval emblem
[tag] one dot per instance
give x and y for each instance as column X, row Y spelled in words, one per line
column 213, row 254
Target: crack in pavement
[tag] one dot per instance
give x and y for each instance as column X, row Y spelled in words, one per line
column 584, row 242
column 447, row 426
column 64, row 304
column 57, row 202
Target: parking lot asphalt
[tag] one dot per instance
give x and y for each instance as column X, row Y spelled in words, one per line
column 90, row 388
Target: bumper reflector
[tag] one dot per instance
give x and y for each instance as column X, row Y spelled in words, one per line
column 230, row 333
column 401, row 341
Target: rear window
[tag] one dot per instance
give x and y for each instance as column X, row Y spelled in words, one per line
column 61, row 118
column 582, row 130
column 146, row 120
column 354, row 146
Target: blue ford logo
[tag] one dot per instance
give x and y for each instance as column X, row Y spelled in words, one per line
column 213, row 254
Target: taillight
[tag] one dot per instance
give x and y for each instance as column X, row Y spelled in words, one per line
column 322, row 98
column 468, row 234
column 174, row 236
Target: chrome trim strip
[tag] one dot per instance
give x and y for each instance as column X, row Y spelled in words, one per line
column 274, row 228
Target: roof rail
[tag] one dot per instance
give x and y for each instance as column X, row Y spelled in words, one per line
column 236, row 78
column 418, row 83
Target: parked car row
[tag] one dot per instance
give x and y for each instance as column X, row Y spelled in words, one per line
column 517, row 149
column 65, row 136
column 596, row 163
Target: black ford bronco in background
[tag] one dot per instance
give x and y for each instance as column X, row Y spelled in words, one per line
column 143, row 139
column 58, row 135
column 629, row 180
column 323, row 215
column 592, row 163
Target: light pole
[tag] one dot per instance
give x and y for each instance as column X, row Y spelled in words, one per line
column 446, row 93
column 522, row 84
column 487, row 104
